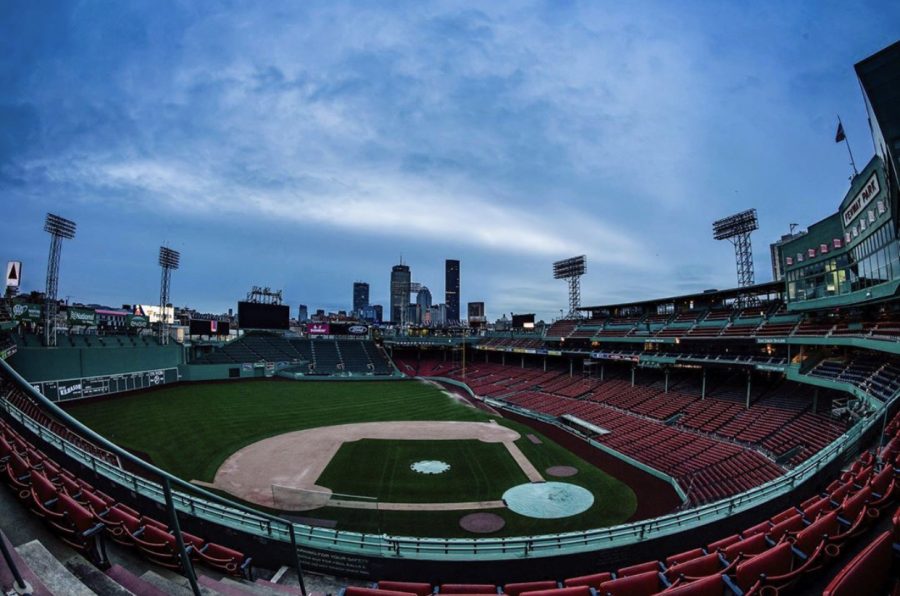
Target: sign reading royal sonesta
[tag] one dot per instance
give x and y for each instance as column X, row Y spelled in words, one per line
column 862, row 199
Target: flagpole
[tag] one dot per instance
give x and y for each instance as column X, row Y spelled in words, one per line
column 847, row 141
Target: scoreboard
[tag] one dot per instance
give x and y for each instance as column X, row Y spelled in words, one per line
column 68, row 389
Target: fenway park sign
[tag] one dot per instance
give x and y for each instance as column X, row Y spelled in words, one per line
column 861, row 200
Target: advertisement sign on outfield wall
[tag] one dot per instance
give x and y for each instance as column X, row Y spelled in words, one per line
column 318, row 329
column 82, row 316
column 26, row 312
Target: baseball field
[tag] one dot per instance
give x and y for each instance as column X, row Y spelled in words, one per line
column 401, row 457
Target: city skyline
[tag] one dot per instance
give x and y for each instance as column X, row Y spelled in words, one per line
column 505, row 136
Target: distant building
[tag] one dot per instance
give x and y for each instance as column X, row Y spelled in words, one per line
column 423, row 303
column 451, row 289
column 775, row 251
column 439, row 315
column 476, row 316
column 412, row 310
column 360, row 297
column 400, row 281
column 302, row 313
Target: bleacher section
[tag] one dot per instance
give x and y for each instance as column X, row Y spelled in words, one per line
column 324, row 356
column 715, row 447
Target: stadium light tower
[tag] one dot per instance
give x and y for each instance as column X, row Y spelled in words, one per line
column 169, row 260
column 571, row 270
column 736, row 229
column 59, row 229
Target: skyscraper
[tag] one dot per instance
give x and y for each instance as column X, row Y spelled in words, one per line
column 451, row 290
column 360, row 297
column 400, row 280
column 423, row 303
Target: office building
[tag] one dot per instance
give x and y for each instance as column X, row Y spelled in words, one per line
column 400, row 282
column 451, row 290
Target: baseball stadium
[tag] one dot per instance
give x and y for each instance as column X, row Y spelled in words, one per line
column 737, row 441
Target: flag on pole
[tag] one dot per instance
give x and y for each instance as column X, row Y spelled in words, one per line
column 840, row 136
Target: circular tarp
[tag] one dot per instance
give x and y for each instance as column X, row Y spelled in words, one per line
column 548, row 500
column 430, row 466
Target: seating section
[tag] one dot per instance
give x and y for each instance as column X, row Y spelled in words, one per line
column 323, row 356
column 878, row 376
column 781, row 554
column 84, row 517
column 715, row 447
column 28, row 407
column 561, row 329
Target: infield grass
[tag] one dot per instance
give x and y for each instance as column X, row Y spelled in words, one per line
column 478, row 471
column 191, row 429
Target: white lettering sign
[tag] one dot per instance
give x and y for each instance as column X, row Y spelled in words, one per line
column 862, row 199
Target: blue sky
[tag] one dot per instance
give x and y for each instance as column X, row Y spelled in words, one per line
column 307, row 145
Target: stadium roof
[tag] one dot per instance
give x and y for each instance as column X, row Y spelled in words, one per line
column 705, row 297
column 880, row 78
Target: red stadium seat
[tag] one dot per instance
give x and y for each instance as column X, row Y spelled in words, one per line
column 468, row 589
column 708, row 586
column 120, row 526
column 357, row 591
column 78, row 528
column 723, row 542
column 235, row 562
column 515, row 589
column 807, row 539
column 573, row 591
column 776, row 561
column 685, row 556
column 869, row 572
column 638, row 569
column 162, row 547
column 791, row 524
column 593, row 580
column 704, row 566
column 746, row 548
column 635, row 585
column 418, row 588
column 44, row 497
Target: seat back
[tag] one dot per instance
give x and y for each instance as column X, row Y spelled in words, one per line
column 642, row 583
column 418, row 588
column 867, row 573
column 593, row 580
column 701, row 566
column 775, row 561
column 515, row 589
column 809, row 538
column 748, row 546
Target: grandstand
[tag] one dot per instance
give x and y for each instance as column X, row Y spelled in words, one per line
column 319, row 356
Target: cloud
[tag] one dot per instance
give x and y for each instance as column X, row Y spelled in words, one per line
column 378, row 203
column 511, row 134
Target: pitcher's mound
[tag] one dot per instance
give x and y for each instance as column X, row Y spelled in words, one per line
column 561, row 471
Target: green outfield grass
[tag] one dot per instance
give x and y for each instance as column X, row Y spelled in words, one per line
column 478, row 471
column 191, row 429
